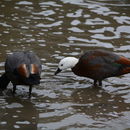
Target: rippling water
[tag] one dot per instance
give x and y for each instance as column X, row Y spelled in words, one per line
column 55, row 29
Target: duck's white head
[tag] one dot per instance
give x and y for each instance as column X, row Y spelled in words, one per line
column 66, row 63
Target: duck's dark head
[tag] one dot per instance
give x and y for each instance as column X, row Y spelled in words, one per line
column 4, row 81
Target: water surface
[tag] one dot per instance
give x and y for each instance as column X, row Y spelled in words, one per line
column 54, row 29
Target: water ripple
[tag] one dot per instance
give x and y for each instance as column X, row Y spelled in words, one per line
column 54, row 29
column 49, row 25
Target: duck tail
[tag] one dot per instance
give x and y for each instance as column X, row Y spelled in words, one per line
column 4, row 81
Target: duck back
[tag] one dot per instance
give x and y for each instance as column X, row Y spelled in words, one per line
column 100, row 64
column 23, row 68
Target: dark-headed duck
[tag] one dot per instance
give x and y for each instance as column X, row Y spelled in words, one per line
column 21, row 68
column 97, row 65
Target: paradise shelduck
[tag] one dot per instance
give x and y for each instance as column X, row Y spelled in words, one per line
column 97, row 65
column 21, row 68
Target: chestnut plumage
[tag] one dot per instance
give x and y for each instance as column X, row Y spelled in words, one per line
column 97, row 65
column 21, row 68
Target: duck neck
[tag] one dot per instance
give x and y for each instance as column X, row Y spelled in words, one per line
column 4, row 81
column 77, row 69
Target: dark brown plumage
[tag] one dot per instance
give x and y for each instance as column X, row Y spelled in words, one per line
column 21, row 68
column 100, row 64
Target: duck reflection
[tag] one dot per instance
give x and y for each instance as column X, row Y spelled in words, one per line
column 19, row 114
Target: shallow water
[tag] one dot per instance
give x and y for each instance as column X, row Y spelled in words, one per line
column 53, row 30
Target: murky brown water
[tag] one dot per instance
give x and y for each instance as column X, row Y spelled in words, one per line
column 55, row 29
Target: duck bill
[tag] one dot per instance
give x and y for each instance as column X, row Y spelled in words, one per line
column 57, row 71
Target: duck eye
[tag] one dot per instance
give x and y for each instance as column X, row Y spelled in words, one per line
column 61, row 64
